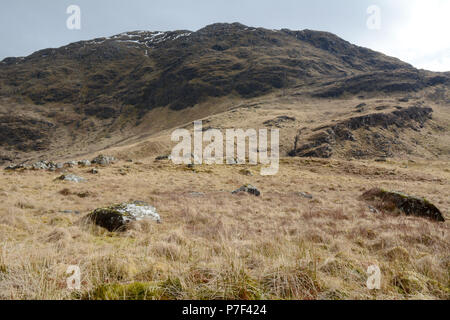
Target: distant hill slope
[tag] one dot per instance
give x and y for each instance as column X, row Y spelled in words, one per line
column 97, row 93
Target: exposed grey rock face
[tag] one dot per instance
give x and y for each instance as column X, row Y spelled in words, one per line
column 71, row 178
column 248, row 189
column 13, row 167
column 118, row 217
column 71, row 164
column 40, row 165
column 52, row 166
column 391, row 200
column 103, row 160
column 324, row 143
column 84, row 163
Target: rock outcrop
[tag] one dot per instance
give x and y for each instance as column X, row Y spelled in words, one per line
column 409, row 205
column 248, row 188
column 71, row 178
column 53, row 166
column 118, row 217
column 324, row 143
column 103, row 160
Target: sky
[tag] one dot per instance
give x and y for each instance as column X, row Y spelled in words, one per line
column 415, row 31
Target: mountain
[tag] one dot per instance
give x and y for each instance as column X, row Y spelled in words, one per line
column 92, row 95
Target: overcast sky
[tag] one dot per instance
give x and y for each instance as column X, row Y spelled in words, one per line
column 416, row 31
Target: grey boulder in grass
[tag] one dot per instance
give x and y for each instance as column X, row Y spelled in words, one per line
column 103, row 160
column 410, row 205
column 248, row 188
column 71, row 178
column 118, row 217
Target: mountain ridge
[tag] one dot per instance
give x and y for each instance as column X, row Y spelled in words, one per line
column 104, row 89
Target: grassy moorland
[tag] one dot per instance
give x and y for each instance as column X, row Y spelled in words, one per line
column 214, row 245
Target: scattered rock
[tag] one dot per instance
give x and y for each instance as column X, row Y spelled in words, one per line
column 39, row 166
column 305, row 195
column 72, row 178
column 71, row 164
column 248, row 189
column 70, row 212
column 103, row 160
column 118, row 217
column 52, row 166
column 197, row 194
column 373, row 210
column 93, row 171
column 386, row 200
column 13, row 167
column 165, row 157
column 84, row 163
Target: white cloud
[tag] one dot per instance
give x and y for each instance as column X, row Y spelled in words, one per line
column 422, row 39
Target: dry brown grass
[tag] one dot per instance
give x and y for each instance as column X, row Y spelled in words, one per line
column 223, row 246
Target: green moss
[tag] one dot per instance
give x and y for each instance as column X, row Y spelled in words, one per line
column 171, row 289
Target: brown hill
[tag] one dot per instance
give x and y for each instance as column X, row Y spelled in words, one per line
column 96, row 94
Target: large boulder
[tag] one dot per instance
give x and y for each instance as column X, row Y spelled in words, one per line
column 390, row 201
column 118, row 217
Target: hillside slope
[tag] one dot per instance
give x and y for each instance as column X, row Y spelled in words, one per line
column 91, row 95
